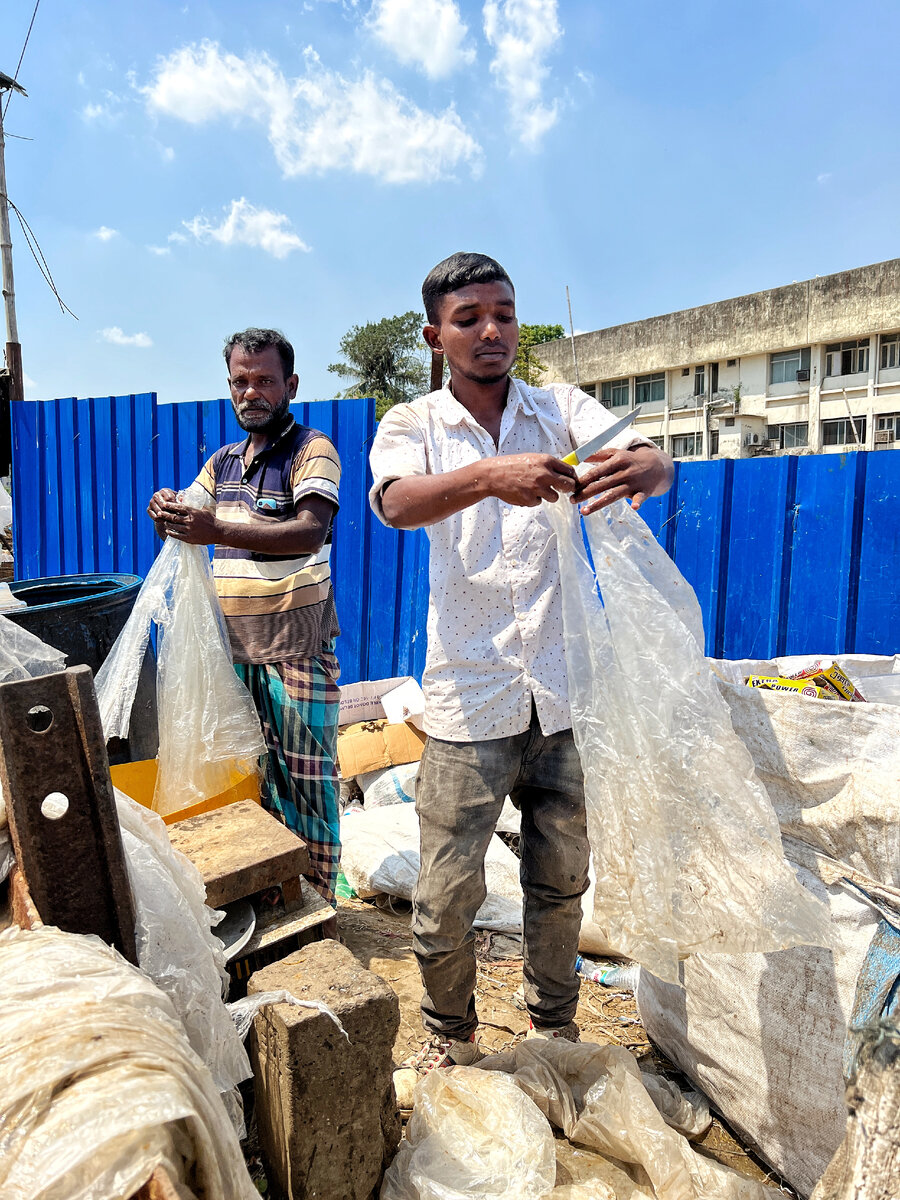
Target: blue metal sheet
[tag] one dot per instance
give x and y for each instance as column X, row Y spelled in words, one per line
column 877, row 627
column 761, row 528
column 787, row 555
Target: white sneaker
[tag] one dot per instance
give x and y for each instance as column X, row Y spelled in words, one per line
column 568, row 1033
column 444, row 1052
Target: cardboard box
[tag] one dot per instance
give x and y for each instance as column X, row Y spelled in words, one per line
column 375, row 745
column 363, row 701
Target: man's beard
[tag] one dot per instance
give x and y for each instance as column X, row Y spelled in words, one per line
column 270, row 424
column 475, row 377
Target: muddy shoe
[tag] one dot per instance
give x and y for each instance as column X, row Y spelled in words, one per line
column 435, row 1054
column 568, row 1033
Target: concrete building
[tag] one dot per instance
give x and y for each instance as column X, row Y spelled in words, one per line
column 812, row 367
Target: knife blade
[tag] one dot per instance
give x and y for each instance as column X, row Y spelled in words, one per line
column 597, row 443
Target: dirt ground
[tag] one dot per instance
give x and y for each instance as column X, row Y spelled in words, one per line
column 381, row 940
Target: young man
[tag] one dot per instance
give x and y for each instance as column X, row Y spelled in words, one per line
column 272, row 499
column 472, row 463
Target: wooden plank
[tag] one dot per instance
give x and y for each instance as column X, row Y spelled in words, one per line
column 239, row 850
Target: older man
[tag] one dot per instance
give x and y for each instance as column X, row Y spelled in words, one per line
column 272, row 499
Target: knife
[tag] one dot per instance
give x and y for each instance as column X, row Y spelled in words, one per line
column 598, row 442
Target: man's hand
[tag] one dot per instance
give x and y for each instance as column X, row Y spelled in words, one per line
column 527, row 479
column 620, row 474
column 197, row 526
column 156, row 509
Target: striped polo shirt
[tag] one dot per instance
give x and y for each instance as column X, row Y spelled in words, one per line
column 276, row 609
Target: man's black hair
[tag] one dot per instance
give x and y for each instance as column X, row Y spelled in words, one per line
column 256, row 340
column 459, row 270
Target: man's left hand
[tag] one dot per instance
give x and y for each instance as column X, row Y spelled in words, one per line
column 623, row 474
column 197, row 526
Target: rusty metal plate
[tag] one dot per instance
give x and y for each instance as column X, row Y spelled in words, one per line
column 61, row 807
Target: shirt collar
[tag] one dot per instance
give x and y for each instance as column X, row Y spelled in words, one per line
column 240, row 449
column 454, row 413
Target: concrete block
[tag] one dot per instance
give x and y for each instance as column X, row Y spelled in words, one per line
column 326, row 1113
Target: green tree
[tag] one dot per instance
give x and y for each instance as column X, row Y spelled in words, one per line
column 528, row 367
column 384, row 359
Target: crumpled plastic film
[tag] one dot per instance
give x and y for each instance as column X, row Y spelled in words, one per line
column 243, row 1011
column 686, row 844
column 24, row 656
column 176, row 946
column 472, row 1135
column 209, row 730
column 98, row 1084
column 597, row 1097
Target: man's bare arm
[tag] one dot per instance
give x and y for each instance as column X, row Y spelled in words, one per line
column 414, row 501
column 303, row 534
column 631, row 474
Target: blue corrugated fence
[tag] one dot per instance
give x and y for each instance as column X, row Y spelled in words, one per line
column 787, row 555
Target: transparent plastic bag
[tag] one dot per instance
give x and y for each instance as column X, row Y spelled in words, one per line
column 472, row 1134
column 209, row 730
column 596, row 1096
column 177, row 947
column 686, row 844
column 24, row 656
column 98, row 1085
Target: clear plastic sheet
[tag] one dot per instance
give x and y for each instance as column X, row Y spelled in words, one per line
column 686, row 844
column 98, row 1084
column 24, row 656
column 176, row 946
column 209, row 731
column 243, row 1011
column 472, row 1135
column 596, row 1096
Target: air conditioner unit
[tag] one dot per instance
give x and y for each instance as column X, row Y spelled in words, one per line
column 882, row 436
column 753, row 439
column 803, row 376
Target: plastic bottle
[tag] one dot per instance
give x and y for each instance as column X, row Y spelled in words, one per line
column 623, row 978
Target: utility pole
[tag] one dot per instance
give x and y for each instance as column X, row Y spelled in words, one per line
column 14, row 391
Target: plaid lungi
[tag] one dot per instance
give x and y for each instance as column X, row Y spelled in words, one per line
column 298, row 706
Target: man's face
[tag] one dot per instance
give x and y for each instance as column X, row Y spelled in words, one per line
column 260, row 394
column 477, row 331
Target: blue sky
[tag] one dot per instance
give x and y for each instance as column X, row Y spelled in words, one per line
column 199, row 167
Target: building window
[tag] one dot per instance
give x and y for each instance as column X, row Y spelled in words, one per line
column 791, row 437
column 847, row 358
column 887, row 429
column 713, row 443
column 839, row 433
column 685, row 445
column 685, row 371
column 890, row 351
column 659, row 441
column 615, row 393
column 732, row 362
column 783, row 367
column 649, row 388
column 699, row 381
column 590, row 389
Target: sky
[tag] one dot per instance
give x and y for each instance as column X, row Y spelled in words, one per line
column 192, row 169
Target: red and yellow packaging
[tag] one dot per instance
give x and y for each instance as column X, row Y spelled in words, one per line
column 803, row 687
column 826, row 673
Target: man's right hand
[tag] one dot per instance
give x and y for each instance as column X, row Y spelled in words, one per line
column 155, row 509
column 527, row 479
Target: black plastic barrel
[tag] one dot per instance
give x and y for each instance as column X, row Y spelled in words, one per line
column 81, row 616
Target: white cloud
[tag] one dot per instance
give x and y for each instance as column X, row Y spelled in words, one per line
column 160, row 250
column 105, row 234
column 91, row 112
column 824, row 177
column 522, row 34
column 429, row 34
column 319, row 121
column 246, row 225
column 116, row 337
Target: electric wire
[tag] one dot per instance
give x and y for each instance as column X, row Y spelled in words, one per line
column 37, row 5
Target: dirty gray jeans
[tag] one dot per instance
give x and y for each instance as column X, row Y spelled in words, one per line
column 459, row 794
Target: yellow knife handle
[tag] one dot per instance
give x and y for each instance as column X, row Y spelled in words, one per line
column 571, row 459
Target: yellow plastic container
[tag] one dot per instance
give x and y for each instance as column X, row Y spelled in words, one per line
column 138, row 780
